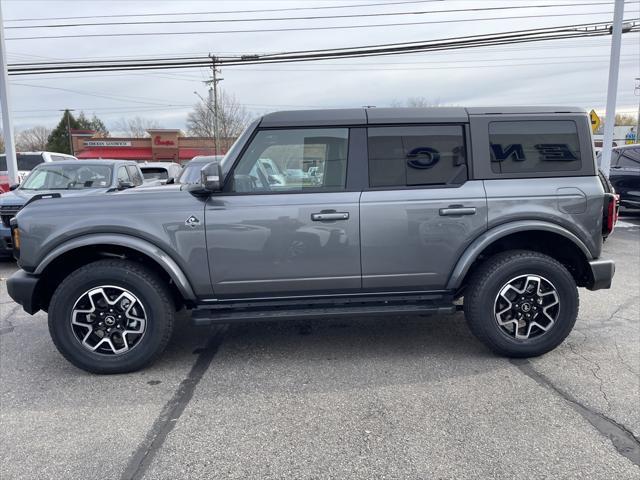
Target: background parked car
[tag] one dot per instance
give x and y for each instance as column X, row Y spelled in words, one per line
column 68, row 178
column 26, row 162
column 625, row 174
column 191, row 172
column 159, row 173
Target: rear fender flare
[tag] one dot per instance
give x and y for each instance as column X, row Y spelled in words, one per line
column 487, row 238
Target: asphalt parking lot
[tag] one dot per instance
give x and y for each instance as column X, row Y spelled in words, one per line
column 390, row 398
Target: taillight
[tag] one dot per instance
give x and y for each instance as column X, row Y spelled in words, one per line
column 610, row 213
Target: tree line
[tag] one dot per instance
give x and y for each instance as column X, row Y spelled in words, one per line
column 232, row 117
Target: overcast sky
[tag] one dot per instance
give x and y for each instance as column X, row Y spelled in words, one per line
column 569, row 72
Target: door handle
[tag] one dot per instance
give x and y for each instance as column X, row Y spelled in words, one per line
column 328, row 216
column 455, row 210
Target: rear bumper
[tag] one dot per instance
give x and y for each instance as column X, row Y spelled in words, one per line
column 21, row 286
column 602, row 272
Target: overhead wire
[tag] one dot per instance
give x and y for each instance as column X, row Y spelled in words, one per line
column 298, row 29
column 315, row 17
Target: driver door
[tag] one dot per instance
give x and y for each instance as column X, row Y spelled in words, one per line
column 286, row 224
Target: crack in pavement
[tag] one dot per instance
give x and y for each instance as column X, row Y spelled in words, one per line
column 11, row 327
column 624, row 441
column 593, row 371
column 141, row 459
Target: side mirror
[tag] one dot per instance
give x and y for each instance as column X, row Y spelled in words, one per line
column 170, row 181
column 14, row 186
column 123, row 185
column 211, row 177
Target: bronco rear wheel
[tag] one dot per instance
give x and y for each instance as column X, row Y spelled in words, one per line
column 521, row 303
column 111, row 316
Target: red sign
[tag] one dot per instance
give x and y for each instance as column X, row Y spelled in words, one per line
column 165, row 143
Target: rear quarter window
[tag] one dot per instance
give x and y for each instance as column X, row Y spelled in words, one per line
column 534, row 146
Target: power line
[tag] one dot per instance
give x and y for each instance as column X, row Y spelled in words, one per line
column 505, row 38
column 298, row 29
column 129, row 15
column 315, row 17
column 629, row 39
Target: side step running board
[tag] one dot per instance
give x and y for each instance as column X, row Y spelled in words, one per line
column 207, row 316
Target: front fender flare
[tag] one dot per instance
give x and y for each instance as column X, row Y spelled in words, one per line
column 487, row 238
column 167, row 263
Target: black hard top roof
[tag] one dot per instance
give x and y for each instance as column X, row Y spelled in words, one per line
column 373, row 116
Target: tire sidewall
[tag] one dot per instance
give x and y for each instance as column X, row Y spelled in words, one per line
column 568, row 309
column 79, row 283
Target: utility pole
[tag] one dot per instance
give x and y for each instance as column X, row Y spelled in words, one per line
column 612, row 88
column 9, row 141
column 637, row 92
column 213, row 90
column 69, row 128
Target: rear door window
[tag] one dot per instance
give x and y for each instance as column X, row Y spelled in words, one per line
column 416, row 155
column 534, row 146
column 28, row 162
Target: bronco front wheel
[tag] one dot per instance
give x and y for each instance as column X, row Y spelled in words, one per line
column 111, row 316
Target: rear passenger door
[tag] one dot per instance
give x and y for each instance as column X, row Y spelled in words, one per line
column 421, row 210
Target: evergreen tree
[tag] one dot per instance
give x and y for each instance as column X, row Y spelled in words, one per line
column 58, row 140
column 94, row 124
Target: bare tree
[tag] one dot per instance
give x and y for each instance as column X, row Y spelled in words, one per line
column 135, row 127
column 33, row 139
column 233, row 118
column 626, row 120
column 415, row 102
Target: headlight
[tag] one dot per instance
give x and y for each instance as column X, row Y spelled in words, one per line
column 15, row 233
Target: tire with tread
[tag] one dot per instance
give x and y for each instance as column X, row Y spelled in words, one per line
column 133, row 276
column 484, row 285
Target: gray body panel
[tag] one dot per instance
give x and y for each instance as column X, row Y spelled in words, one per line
column 573, row 203
column 263, row 244
column 260, row 245
column 406, row 243
column 159, row 220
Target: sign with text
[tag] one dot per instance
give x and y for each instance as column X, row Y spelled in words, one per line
column 106, row 143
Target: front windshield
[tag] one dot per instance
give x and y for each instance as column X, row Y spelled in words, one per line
column 68, row 177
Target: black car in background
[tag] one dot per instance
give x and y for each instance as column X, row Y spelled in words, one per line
column 625, row 174
column 73, row 178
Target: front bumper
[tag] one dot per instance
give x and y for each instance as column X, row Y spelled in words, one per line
column 601, row 274
column 6, row 242
column 22, row 286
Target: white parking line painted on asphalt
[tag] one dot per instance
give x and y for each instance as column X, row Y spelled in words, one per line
column 623, row 224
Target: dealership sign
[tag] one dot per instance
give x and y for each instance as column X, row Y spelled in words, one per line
column 106, row 143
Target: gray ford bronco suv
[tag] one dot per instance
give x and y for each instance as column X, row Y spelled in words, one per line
column 330, row 213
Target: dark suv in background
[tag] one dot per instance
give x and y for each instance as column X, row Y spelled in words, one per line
column 625, row 174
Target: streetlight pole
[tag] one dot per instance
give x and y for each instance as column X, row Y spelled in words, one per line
column 612, row 88
column 9, row 141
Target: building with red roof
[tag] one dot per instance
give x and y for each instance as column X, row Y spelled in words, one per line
column 168, row 145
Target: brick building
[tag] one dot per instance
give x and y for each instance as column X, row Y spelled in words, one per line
column 161, row 145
